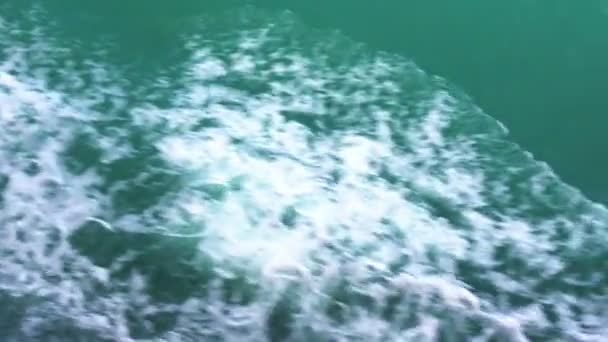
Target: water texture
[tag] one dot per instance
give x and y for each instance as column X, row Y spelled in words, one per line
column 236, row 174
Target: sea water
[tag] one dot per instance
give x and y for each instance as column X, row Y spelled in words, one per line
column 236, row 174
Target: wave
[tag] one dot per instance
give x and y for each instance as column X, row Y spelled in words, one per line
column 276, row 183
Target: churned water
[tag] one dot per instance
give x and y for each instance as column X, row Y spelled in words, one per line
column 236, row 174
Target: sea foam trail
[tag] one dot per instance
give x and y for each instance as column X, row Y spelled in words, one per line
column 281, row 184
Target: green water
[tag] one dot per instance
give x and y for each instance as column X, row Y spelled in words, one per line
column 303, row 171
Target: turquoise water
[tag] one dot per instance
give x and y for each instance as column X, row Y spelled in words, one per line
column 230, row 171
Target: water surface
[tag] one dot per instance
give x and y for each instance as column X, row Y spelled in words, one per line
column 223, row 171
